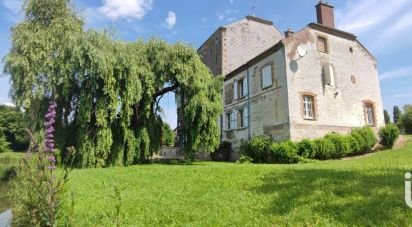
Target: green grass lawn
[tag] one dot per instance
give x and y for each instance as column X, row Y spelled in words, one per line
column 364, row 191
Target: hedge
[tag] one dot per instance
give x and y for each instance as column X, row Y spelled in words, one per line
column 262, row 150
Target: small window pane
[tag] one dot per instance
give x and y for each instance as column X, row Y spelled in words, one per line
column 308, row 107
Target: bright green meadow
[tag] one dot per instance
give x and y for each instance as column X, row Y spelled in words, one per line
column 362, row 191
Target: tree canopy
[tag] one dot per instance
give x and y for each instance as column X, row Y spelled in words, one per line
column 106, row 90
column 12, row 125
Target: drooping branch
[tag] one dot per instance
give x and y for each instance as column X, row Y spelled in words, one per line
column 165, row 90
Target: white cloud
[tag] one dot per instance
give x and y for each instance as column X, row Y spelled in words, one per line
column 115, row 9
column 402, row 95
column 228, row 14
column 360, row 16
column 170, row 20
column 403, row 24
column 401, row 72
column 13, row 5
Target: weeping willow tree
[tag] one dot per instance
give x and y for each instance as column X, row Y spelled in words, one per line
column 107, row 91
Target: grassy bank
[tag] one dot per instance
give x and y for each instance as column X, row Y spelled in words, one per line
column 362, row 191
column 6, row 160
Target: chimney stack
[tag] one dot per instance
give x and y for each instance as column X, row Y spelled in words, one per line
column 324, row 12
column 288, row 33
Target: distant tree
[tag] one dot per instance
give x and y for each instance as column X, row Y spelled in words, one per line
column 13, row 124
column 387, row 117
column 396, row 114
column 168, row 135
column 406, row 119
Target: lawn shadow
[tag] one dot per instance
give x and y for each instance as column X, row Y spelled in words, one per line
column 371, row 198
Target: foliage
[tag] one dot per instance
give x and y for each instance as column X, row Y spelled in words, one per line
column 396, row 114
column 325, row 193
column 285, row 152
column 406, row 121
column 324, row 148
column 244, row 159
column 117, row 216
column 37, row 190
column 257, row 148
column 222, row 153
column 388, row 135
column 12, row 124
column 107, row 91
column 386, row 117
column 168, row 135
column 4, row 144
column 341, row 144
column 306, row 148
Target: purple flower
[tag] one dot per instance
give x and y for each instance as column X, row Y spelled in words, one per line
column 49, row 141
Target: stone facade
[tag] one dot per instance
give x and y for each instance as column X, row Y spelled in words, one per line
column 313, row 82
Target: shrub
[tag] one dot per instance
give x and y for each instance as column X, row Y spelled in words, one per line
column 362, row 143
column 285, row 152
column 369, row 136
column 341, row 144
column 4, row 145
column 306, row 148
column 244, row 159
column 222, row 153
column 256, row 148
column 406, row 121
column 388, row 135
column 324, row 148
column 354, row 143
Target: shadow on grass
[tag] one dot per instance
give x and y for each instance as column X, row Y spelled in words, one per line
column 372, row 198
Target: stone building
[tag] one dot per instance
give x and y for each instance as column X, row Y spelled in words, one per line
column 303, row 85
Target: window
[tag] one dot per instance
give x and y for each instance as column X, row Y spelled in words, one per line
column 240, row 115
column 240, row 88
column 231, row 120
column 328, row 75
column 267, row 76
column 228, row 120
column 322, row 44
column 229, row 93
column 308, row 107
column 369, row 114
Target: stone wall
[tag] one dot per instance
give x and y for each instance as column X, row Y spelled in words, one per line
column 268, row 107
column 338, row 108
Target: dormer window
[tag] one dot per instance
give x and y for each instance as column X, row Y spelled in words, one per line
column 322, row 44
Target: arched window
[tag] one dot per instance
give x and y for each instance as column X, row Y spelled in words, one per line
column 369, row 113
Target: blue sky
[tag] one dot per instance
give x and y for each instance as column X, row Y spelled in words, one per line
column 383, row 26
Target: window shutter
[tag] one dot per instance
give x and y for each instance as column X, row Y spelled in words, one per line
column 234, row 117
column 245, row 87
column 235, row 89
column 328, row 73
column 266, row 76
column 245, row 117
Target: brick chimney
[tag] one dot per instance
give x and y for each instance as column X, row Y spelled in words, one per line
column 288, row 33
column 324, row 12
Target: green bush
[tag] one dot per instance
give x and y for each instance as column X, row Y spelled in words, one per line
column 354, row 143
column 244, row 159
column 285, row 152
column 222, row 153
column 388, row 135
column 324, row 148
column 341, row 144
column 257, row 149
column 368, row 135
column 4, row 145
column 306, row 148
